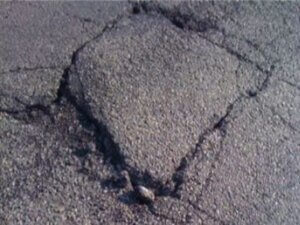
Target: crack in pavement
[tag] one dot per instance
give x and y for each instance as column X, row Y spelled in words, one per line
column 184, row 22
column 103, row 139
column 189, row 23
column 30, row 69
column 243, row 58
column 111, row 150
column 178, row 176
column 27, row 113
column 177, row 18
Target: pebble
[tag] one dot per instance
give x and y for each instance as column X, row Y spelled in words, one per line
column 145, row 194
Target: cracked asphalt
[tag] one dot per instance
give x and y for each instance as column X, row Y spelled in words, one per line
column 197, row 101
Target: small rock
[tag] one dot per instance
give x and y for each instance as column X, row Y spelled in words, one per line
column 145, row 194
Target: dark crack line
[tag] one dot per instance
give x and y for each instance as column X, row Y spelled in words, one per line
column 103, row 138
column 177, row 18
column 111, row 150
column 179, row 176
column 109, row 26
column 239, row 56
column 84, row 109
column 30, row 69
column 28, row 108
column 113, row 154
column 188, row 22
column 221, row 125
column 268, row 72
column 28, row 111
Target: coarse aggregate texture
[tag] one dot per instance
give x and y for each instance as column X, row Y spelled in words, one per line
column 196, row 101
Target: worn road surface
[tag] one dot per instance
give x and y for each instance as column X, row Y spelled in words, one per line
column 199, row 102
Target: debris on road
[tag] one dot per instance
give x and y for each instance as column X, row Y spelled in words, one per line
column 145, row 194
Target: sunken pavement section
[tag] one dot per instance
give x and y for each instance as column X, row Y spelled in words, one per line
column 196, row 101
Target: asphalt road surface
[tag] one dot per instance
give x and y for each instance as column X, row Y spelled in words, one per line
column 198, row 102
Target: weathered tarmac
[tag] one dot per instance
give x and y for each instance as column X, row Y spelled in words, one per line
column 199, row 102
